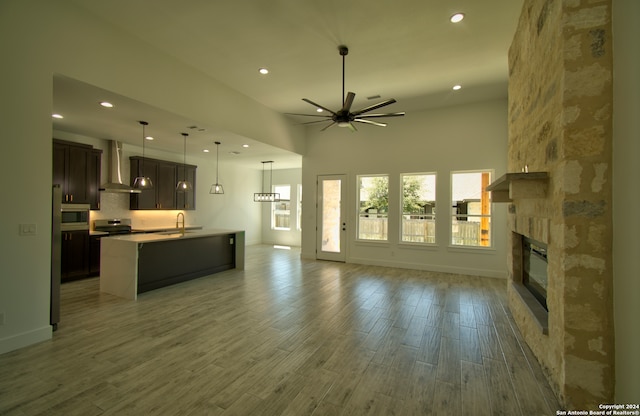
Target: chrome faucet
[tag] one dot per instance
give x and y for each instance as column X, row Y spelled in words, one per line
column 178, row 222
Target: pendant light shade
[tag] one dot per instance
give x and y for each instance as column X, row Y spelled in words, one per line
column 216, row 188
column 142, row 181
column 267, row 196
column 184, row 185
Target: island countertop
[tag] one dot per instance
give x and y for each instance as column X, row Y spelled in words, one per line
column 136, row 263
column 169, row 235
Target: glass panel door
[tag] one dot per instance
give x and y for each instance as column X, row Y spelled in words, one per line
column 332, row 224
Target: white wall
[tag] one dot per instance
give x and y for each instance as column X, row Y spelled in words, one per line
column 39, row 38
column 293, row 236
column 626, row 198
column 455, row 138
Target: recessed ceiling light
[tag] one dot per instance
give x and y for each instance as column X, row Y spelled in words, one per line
column 106, row 104
column 206, row 150
column 56, row 115
column 149, row 138
column 245, row 145
column 457, row 18
column 319, row 110
column 456, row 87
column 263, row 71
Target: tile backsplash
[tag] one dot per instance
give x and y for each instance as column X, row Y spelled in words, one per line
column 116, row 205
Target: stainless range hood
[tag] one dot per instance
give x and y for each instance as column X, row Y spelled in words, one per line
column 115, row 176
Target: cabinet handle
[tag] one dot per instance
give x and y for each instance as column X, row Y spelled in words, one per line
column 71, row 197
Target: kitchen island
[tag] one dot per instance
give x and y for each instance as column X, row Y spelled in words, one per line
column 136, row 263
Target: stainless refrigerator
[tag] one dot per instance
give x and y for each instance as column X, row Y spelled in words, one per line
column 56, row 255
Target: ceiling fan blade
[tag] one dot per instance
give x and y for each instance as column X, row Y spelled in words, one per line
column 352, row 127
column 317, row 105
column 324, row 128
column 316, row 121
column 308, row 115
column 400, row 114
column 348, row 101
column 373, row 107
column 375, row 123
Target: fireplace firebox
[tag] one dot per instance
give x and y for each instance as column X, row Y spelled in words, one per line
column 534, row 269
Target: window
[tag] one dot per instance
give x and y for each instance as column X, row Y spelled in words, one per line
column 418, row 208
column 281, row 210
column 471, row 209
column 373, row 207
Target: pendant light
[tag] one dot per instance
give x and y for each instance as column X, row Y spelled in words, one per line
column 216, row 188
column 266, row 196
column 184, row 185
column 141, row 181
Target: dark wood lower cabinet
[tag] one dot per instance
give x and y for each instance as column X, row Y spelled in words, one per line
column 164, row 263
column 75, row 255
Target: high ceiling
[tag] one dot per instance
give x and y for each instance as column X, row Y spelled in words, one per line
column 405, row 49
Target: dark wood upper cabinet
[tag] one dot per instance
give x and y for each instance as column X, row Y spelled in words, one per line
column 164, row 175
column 186, row 200
column 76, row 168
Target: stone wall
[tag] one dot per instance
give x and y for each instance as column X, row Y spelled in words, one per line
column 560, row 122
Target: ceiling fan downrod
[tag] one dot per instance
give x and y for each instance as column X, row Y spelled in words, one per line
column 344, row 51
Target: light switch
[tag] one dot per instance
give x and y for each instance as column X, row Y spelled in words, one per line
column 28, row 229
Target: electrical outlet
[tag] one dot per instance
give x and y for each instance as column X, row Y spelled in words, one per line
column 28, row 229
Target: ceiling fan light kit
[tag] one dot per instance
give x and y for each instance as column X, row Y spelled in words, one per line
column 345, row 117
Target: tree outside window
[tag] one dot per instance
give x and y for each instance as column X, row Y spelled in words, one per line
column 471, row 209
column 418, row 208
column 373, row 207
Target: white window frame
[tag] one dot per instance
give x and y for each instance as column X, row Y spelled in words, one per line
column 431, row 217
column 275, row 208
column 453, row 215
column 385, row 216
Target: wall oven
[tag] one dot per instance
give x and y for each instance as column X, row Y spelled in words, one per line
column 74, row 217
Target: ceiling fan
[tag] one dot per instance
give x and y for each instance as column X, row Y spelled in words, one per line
column 345, row 117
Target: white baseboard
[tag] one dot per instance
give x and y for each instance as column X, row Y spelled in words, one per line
column 25, row 339
column 498, row 274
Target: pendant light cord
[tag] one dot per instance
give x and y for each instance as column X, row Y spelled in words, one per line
column 184, row 160
column 271, row 177
column 144, row 123
column 217, row 161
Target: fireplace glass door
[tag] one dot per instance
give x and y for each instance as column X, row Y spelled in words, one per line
column 534, row 270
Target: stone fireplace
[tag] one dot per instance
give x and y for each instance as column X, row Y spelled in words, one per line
column 560, row 128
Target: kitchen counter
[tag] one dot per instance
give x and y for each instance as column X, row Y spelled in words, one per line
column 165, row 229
column 135, row 263
column 171, row 233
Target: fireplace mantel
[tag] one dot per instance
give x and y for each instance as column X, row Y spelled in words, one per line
column 519, row 185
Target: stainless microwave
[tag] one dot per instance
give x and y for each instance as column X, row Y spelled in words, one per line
column 74, row 217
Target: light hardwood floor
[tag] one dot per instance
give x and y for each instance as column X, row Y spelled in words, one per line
column 284, row 337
